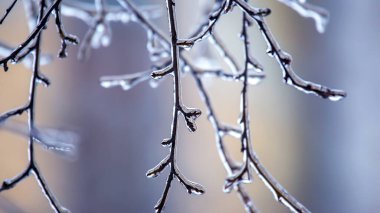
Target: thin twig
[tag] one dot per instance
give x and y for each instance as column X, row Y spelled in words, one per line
column 205, row 29
column 7, row 11
column 64, row 36
column 40, row 26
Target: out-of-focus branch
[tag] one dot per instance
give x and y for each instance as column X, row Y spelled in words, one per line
column 320, row 15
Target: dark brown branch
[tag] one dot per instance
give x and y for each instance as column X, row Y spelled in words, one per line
column 7, row 11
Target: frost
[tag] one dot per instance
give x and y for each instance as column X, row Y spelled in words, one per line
column 126, row 82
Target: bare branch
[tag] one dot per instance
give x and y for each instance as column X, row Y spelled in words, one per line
column 7, row 11
column 17, row 111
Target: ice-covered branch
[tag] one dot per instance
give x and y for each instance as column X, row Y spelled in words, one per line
column 284, row 59
column 41, row 24
column 189, row 114
column 251, row 73
column 169, row 59
column 60, row 141
column 32, row 133
column 320, row 15
column 65, row 38
column 205, row 29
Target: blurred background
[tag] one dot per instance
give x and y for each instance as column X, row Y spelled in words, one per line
column 324, row 153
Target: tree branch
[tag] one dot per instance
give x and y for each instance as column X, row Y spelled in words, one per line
column 284, row 59
column 7, row 11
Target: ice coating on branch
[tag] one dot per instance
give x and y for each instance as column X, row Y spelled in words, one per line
column 102, row 36
column 320, row 15
column 155, row 49
column 126, row 82
column 61, row 141
column 154, row 172
column 192, row 187
column 284, row 59
column 191, row 114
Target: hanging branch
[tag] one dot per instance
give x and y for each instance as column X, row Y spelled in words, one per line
column 130, row 80
column 244, row 174
column 284, row 59
column 237, row 174
column 220, row 129
column 33, row 133
column 189, row 114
